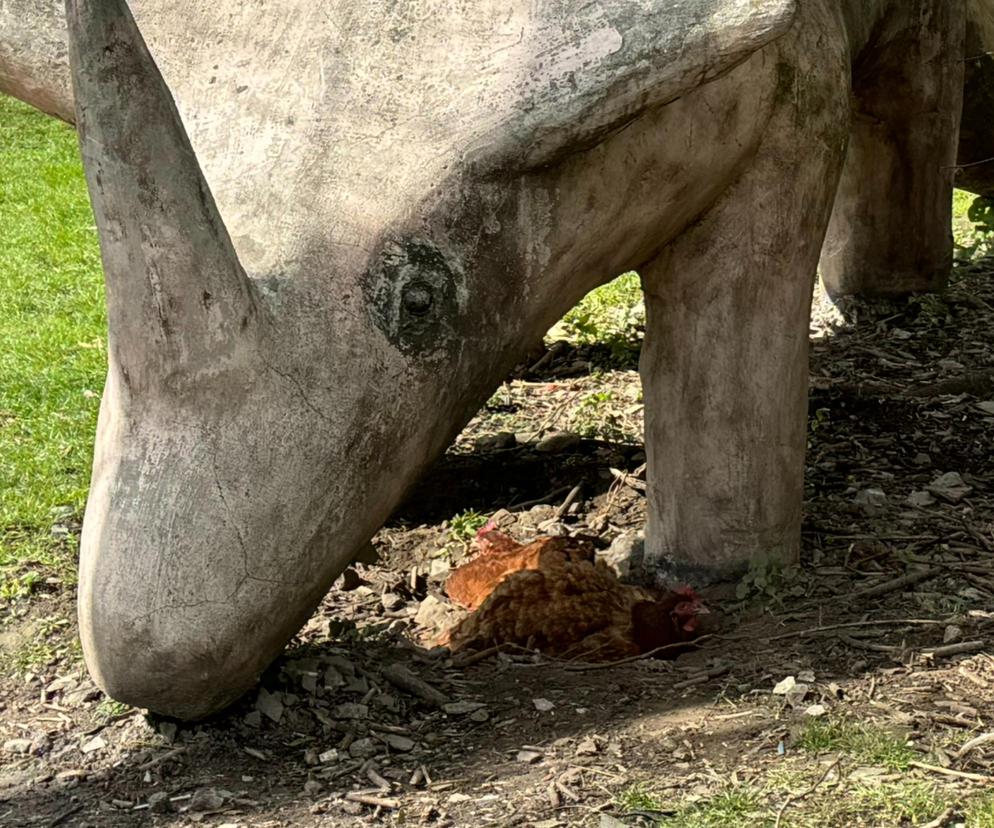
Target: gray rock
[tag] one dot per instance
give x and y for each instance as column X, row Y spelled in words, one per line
column 17, row 746
column 159, row 803
column 496, row 442
column 921, row 498
column 350, row 710
column 205, row 800
column 364, row 748
column 950, row 487
column 391, row 601
column 269, row 705
column 625, row 555
column 557, row 442
column 462, row 708
column 872, row 500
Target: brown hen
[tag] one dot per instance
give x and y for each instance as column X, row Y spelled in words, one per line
column 550, row 595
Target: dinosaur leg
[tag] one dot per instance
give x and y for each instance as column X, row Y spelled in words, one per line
column 724, row 366
column 890, row 230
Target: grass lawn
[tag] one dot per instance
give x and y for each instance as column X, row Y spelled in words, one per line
column 52, row 345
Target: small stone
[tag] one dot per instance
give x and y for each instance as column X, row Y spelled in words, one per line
column 439, row 568
column 625, row 555
column 479, row 716
column 93, row 745
column 543, row 705
column 391, row 601
column 950, row 487
column 785, row 686
column 433, row 613
column 922, row 459
column 900, row 333
column 529, row 757
column 333, row 679
column 357, row 684
column 350, row 710
column 269, row 705
column 350, row 580
column 807, row 676
column 313, row 788
column 588, row 747
column 253, row 719
column 462, row 708
column 557, row 442
column 399, row 743
column 952, row 633
column 159, row 803
column 205, row 800
column 363, row 749
column 168, row 731
column 309, row 682
column 17, row 746
column 387, row 702
column 987, row 406
column 496, row 442
column 871, row 500
column 921, row 499
column 797, row 694
column 816, row 711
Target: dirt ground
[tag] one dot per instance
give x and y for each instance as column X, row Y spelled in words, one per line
column 879, row 643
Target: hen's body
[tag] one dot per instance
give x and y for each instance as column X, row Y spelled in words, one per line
column 550, row 595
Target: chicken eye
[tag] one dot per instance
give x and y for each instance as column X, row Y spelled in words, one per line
column 417, row 298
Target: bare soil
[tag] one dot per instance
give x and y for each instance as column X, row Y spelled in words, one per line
column 338, row 734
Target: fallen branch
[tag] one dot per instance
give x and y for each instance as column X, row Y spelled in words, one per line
column 399, row 676
column 973, row 777
column 374, row 801
column 954, row 649
column 896, row 583
column 703, row 678
column 795, row 798
column 894, row 622
column 975, row 742
column 579, row 668
column 941, row 820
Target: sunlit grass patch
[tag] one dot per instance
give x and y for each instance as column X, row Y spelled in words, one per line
column 52, row 353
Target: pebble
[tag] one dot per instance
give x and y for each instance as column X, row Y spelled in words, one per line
column 363, row 748
column 462, row 708
column 204, row 800
column 496, row 442
column 269, row 705
column 17, row 746
column 159, row 803
column 529, row 757
column 350, row 710
column 557, row 442
column 950, row 487
column 399, row 743
column 921, row 498
column 93, row 745
column 391, row 601
column 871, row 500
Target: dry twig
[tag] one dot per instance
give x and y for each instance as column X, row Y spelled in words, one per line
column 795, row 798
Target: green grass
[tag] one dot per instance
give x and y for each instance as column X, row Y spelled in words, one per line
column 866, row 744
column 973, row 225
column 52, row 343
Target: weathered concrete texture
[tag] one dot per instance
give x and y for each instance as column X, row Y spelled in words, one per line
column 329, row 233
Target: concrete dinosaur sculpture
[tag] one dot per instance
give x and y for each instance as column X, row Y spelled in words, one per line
column 330, row 229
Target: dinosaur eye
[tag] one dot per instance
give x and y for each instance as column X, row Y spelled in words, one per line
column 417, row 298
